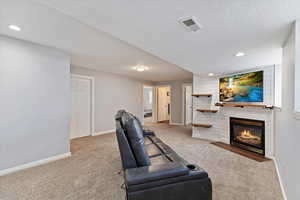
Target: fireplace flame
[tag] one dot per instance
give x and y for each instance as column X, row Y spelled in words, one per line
column 246, row 134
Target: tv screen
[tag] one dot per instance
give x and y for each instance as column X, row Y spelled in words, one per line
column 242, row 87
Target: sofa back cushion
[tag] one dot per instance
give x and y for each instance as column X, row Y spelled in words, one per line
column 128, row 159
column 134, row 133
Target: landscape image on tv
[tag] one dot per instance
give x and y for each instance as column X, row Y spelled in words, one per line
column 242, row 87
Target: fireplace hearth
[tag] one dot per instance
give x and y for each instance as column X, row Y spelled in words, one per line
column 248, row 134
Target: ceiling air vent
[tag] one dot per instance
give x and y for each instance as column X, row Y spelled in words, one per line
column 190, row 24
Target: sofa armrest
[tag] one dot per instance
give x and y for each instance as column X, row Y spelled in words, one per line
column 146, row 174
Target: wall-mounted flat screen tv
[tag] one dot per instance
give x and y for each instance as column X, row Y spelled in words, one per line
column 247, row 87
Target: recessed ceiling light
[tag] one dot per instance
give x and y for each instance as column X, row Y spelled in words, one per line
column 211, row 74
column 140, row 68
column 14, row 27
column 240, row 54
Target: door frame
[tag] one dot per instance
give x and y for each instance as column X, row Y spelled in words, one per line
column 183, row 103
column 92, row 80
column 153, row 102
column 156, row 102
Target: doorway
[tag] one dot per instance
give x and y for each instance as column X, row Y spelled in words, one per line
column 187, row 104
column 82, row 104
column 163, row 104
column 148, row 92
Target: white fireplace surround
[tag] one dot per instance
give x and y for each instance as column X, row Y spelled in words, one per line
column 220, row 121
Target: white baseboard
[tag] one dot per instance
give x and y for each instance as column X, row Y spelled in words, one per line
column 34, row 164
column 176, row 124
column 279, row 177
column 104, row 132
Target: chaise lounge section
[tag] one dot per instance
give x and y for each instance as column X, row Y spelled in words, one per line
column 154, row 171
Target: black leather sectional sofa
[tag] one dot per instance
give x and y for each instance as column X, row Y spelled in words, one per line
column 152, row 170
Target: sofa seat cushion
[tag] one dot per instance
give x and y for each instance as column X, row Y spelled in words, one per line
column 159, row 160
column 174, row 157
column 153, row 150
column 134, row 133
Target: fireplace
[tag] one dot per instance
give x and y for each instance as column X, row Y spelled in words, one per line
column 248, row 134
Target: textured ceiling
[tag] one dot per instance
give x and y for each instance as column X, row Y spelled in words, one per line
column 116, row 34
column 89, row 47
column 256, row 27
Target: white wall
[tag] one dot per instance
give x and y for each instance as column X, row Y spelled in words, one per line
column 278, row 86
column 287, row 127
column 176, row 99
column 35, row 102
column 297, row 69
column 113, row 92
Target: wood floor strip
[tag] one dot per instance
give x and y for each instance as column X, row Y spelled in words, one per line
column 242, row 152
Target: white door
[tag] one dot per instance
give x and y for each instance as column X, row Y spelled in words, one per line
column 81, row 107
column 188, row 105
column 163, row 94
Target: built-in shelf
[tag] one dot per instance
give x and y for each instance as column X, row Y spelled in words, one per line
column 207, row 110
column 241, row 105
column 201, row 95
column 202, row 125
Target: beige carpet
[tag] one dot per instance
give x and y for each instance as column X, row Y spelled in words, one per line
column 92, row 172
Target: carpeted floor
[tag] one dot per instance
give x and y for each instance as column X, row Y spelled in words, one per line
column 92, row 171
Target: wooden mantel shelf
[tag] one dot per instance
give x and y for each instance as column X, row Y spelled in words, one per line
column 202, row 125
column 201, row 95
column 241, row 105
column 207, row 110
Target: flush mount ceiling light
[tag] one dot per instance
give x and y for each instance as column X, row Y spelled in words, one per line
column 14, row 27
column 140, row 68
column 240, row 54
column 211, row 74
